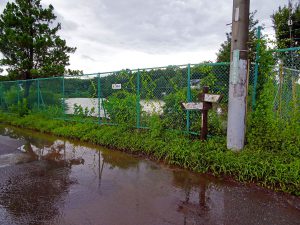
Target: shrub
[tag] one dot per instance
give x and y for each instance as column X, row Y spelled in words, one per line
column 121, row 108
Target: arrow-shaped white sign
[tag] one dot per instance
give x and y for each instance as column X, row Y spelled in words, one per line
column 193, row 105
column 212, row 98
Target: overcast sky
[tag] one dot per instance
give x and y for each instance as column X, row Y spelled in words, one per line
column 117, row 34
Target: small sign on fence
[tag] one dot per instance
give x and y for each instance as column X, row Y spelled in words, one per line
column 116, row 86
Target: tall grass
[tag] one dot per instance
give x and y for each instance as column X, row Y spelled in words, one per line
column 277, row 170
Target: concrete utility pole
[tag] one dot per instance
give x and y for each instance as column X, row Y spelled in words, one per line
column 238, row 76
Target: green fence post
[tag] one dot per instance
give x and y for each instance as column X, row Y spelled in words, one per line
column 63, row 96
column 18, row 102
column 99, row 98
column 138, row 106
column 188, row 97
column 256, row 68
column 38, row 94
column 18, row 87
column 1, row 96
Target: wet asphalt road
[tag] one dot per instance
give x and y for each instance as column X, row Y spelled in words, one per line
column 46, row 180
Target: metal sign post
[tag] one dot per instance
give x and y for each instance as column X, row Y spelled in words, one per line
column 204, row 105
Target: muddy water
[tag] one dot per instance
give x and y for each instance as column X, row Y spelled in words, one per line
column 47, row 180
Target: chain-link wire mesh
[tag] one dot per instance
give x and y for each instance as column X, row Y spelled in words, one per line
column 50, row 96
column 10, row 94
column 19, row 96
column 80, row 94
column 216, row 77
column 117, row 96
column 126, row 97
column 133, row 98
column 251, row 85
column 287, row 82
column 161, row 91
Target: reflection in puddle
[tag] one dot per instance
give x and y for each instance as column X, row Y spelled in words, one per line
column 47, row 180
column 56, row 153
column 14, row 158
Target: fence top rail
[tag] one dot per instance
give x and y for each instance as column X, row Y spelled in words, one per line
column 159, row 67
column 42, row 78
column 286, row 49
column 195, row 64
column 118, row 71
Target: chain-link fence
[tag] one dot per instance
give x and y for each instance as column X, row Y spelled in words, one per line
column 287, row 82
column 139, row 98
column 133, row 98
column 285, row 72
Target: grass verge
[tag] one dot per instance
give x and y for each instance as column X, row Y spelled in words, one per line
column 279, row 171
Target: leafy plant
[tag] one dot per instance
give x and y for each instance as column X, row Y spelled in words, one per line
column 83, row 112
column 21, row 108
column 11, row 96
column 121, row 108
column 267, row 130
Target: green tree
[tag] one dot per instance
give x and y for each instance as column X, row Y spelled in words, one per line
column 223, row 54
column 280, row 21
column 29, row 41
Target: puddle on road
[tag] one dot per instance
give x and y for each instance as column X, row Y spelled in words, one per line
column 47, row 180
column 14, row 158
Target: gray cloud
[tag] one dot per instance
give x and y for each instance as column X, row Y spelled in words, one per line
column 68, row 25
column 162, row 26
column 88, row 57
column 158, row 26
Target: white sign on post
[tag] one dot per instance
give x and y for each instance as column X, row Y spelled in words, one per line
column 212, row 98
column 116, row 86
column 193, row 105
